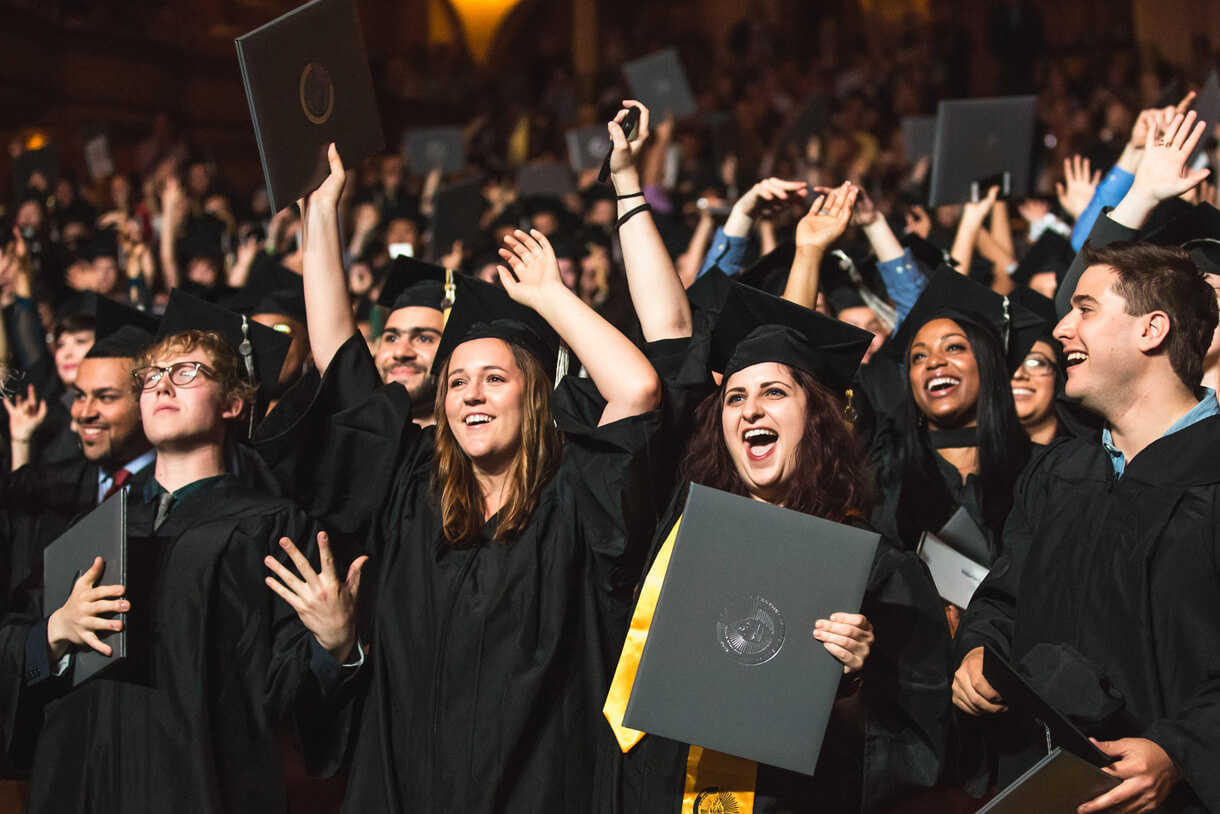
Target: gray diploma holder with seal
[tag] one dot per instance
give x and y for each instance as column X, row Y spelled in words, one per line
column 101, row 533
column 982, row 143
column 730, row 662
column 1057, row 784
column 308, row 84
column 955, row 557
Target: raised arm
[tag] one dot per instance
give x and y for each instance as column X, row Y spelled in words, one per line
column 656, row 290
column 973, row 216
column 331, row 322
column 622, row 374
column 815, row 233
column 1162, row 173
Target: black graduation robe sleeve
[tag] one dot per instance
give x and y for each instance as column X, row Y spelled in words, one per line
column 338, row 459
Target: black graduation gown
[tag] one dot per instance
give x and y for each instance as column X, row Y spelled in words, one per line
column 215, row 658
column 488, row 664
column 907, row 504
column 885, row 740
column 38, row 505
column 1125, row 572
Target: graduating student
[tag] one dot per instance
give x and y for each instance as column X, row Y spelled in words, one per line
column 1107, row 587
column 775, row 430
column 185, row 721
column 42, row 500
column 958, row 441
column 506, row 552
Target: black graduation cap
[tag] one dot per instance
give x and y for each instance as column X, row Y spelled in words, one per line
column 1043, row 307
column 262, row 349
column 955, row 296
column 456, row 212
column 308, row 84
column 120, row 330
column 755, row 327
column 413, row 283
column 925, row 252
column 270, row 289
column 842, row 297
column 977, row 142
column 1190, row 223
column 709, row 290
column 1050, row 252
column 770, row 272
column 1206, row 254
column 482, row 310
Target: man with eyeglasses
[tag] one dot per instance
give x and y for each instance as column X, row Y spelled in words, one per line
column 215, row 660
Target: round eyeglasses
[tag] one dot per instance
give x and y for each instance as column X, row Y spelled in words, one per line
column 181, row 374
column 1038, row 365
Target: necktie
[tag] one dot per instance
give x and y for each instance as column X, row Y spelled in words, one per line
column 164, row 501
column 118, row 481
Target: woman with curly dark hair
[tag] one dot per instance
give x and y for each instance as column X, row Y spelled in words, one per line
column 776, row 430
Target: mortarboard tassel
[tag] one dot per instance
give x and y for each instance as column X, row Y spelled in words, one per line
column 246, row 349
column 562, row 360
column 886, row 313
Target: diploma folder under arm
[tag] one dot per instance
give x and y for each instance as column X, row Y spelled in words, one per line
column 101, row 533
column 308, row 84
column 1057, row 784
column 730, row 662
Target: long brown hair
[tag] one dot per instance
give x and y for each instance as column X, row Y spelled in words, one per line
column 533, row 465
column 830, row 479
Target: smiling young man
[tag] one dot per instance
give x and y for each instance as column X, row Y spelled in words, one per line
column 41, row 500
column 408, row 343
column 1108, row 584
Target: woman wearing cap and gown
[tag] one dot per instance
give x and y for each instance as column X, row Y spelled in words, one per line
column 504, row 557
column 886, row 738
column 885, row 741
column 958, row 442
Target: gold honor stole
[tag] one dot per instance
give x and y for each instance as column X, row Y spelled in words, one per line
column 714, row 781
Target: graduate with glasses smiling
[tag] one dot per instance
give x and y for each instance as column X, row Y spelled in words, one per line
column 187, row 721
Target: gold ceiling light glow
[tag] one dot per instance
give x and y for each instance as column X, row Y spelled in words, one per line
column 480, row 21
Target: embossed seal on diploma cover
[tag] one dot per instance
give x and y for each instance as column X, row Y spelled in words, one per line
column 750, row 630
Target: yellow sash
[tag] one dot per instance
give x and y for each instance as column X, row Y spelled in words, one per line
column 715, row 782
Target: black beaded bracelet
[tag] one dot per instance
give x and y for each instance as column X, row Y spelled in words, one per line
column 628, row 215
column 631, row 195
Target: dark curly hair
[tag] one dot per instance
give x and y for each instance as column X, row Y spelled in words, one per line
column 830, row 480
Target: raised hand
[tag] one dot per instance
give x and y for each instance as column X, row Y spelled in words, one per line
column 1078, row 186
column 532, row 272
column 847, row 636
column 827, row 218
column 626, row 154
column 25, row 415
column 323, row 201
column 1162, row 173
column 80, row 620
column 325, row 606
column 770, row 197
column 977, row 211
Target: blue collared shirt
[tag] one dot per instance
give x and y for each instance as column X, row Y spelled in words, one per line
column 1206, row 408
column 726, row 253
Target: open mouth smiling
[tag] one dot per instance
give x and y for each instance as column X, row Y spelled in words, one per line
column 759, row 442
